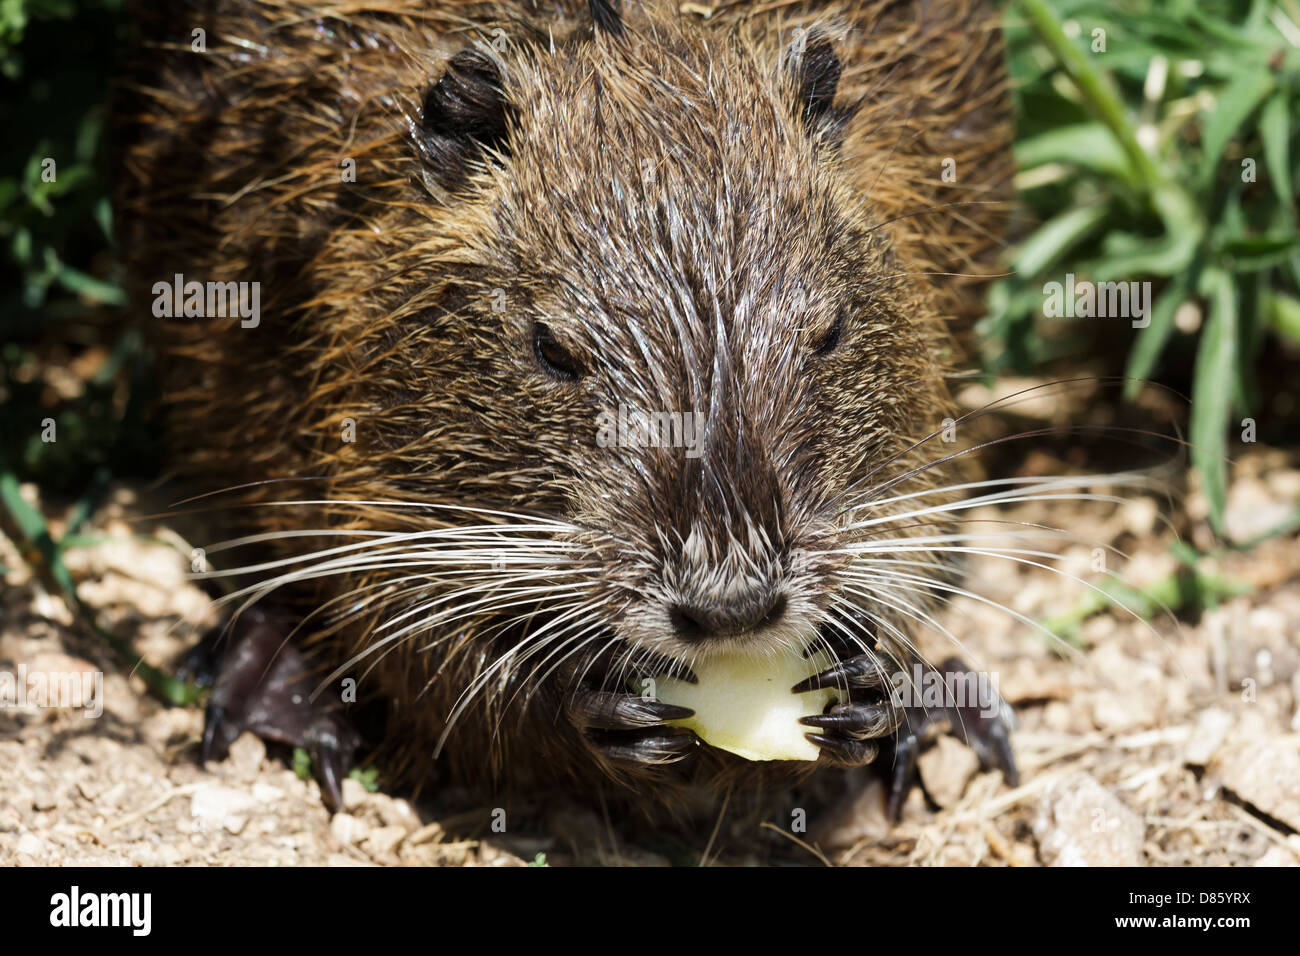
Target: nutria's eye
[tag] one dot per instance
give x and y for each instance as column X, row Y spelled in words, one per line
column 827, row 343
column 553, row 357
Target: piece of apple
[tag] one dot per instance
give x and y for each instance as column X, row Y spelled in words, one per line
column 743, row 703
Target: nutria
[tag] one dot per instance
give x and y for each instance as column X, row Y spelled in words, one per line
column 480, row 234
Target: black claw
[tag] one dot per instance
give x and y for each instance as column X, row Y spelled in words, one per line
column 855, row 673
column 666, row 712
column 907, row 748
column 603, row 710
column 844, row 751
column 216, row 734
column 646, row 748
column 202, row 663
column 857, row 721
column 990, row 738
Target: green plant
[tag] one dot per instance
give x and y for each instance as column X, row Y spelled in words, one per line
column 1155, row 144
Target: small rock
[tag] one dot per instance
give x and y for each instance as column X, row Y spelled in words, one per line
column 393, row 811
column 30, row 845
column 490, row 855
column 354, row 793
column 265, row 793
column 1265, row 774
column 1139, row 516
column 1253, row 510
column 216, row 806
column 383, row 841
column 246, row 755
column 1212, row 727
column 1277, row 856
column 946, row 768
column 171, row 724
column 1081, row 823
column 348, row 829
column 66, row 682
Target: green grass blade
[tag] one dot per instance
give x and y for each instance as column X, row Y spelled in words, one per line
column 1275, row 129
column 1055, row 237
column 1151, row 341
column 1212, row 387
column 1237, row 101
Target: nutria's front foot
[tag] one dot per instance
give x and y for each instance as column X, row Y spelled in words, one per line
column 984, row 726
column 631, row 728
column 263, row 685
column 848, row 733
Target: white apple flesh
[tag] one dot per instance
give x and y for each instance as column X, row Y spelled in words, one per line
column 743, row 703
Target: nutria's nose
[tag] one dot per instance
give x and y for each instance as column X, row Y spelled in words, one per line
column 694, row 622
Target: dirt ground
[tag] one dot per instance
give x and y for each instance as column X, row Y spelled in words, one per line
column 1173, row 741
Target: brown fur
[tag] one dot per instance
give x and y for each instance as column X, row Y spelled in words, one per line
column 661, row 205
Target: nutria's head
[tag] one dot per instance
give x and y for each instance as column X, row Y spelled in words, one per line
column 649, row 243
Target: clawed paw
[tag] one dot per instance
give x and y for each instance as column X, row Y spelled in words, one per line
column 628, row 728
column 848, row 731
column 985, row 726
column 263, row 686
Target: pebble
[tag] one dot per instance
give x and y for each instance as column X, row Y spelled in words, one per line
column 1277, row 856
column 217, row 806
column 383, row 841
column 1212, row 727
column 947, row 768
column 348, row 829
column 1081, row 823
column 30, row 845
column 1265, row 774
column 247, row 754
column 354, row 793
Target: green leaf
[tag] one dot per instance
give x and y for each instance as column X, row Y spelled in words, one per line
column 1055, row 237
column 1275, row 129
column 1259, row 245
column 1083, row 144
column 1283, row 314
column 1234, row 104
column 1171, row 254
column 1151, row 340
column 1212, row 387
column 1251, row 253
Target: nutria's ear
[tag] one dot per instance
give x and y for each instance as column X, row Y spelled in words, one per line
column 814, row 70
column 465, row 113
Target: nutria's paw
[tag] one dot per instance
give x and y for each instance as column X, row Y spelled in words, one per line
column 603, row 710
column 629, row 728
column 263, row 685
column 645, row 748
column 847, row 732
column 984, row 726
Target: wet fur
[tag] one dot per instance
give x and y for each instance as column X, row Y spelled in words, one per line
column 682, row 208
